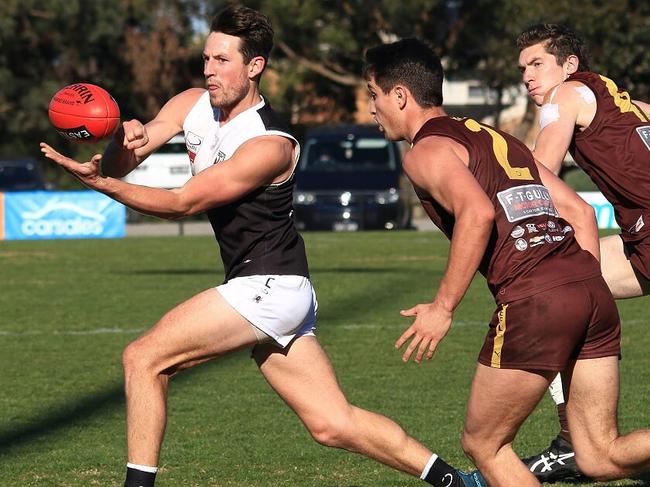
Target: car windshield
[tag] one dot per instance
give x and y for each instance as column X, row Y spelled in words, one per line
column 19, row 177
column 351, row 154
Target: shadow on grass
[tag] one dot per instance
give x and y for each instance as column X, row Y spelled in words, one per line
column 66, row 415
column 313, row 270
column 355, row 303
column 70, row 413
column 171, row 272
column 644, row 480
column 353, row 270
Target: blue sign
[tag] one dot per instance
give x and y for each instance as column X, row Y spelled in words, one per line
column 62, row 214
column 604, row 210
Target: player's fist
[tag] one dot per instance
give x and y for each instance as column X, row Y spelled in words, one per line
column 134, row 134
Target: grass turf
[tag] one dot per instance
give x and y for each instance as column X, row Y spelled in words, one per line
column 68, row 308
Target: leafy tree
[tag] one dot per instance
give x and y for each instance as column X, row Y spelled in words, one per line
column 320, row 43
column 320, row 49
column 142, row 53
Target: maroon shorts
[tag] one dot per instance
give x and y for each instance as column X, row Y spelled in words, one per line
column 548, row 330
column 638, row 253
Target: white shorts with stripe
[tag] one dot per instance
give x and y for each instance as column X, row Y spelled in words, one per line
column 283, row 307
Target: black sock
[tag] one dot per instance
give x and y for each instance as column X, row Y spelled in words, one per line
column 138, row 478
column 442, row 474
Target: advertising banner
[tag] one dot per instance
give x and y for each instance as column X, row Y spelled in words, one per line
column 603, row 208
column 32, row 215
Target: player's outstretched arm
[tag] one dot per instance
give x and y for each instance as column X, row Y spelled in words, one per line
column 434, row 167
column 573, row 209
column 257, row 163
column 134, row 141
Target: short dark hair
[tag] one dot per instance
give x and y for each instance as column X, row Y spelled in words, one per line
column 410, row 62
column 252, row 27
column 558, row 40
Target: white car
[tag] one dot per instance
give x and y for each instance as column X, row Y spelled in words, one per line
column 168, row 167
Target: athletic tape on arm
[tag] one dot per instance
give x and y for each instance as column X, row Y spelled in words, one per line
column 586, row 94
column 550, row 112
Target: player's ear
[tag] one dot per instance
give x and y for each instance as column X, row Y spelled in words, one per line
column 256, row 66
column 400, row 95
column 571, row 64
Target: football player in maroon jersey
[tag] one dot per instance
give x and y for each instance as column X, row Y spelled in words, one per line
column 501, row 211
column 608, row 135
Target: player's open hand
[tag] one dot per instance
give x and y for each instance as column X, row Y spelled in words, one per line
column 430, row 326
column 88, row 173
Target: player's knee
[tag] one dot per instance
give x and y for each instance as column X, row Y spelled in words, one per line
column 134, row 359
column 469, row 445
column 598, row 469
column 599, row 464
column 332, row 431
column 474, row 447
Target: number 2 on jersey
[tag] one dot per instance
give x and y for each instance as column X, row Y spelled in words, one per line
column 500, row 148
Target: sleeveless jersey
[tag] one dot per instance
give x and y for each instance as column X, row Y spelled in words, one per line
column 256, row 234
column 531, row 248
column 615, row 152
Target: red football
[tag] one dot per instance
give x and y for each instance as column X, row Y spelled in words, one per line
column 84, row 112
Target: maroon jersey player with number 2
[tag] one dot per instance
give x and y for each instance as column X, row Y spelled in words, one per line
column 554, row 312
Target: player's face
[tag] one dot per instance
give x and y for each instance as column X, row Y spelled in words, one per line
column 226, row 74
column 540, row 72
column 383, row 109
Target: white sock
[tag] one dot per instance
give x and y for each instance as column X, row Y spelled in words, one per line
column 428, row 466
column 142, row 468
column 556, row 390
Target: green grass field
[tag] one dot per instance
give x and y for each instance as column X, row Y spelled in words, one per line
column 68, row 308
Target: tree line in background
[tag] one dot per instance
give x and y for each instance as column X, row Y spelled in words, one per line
column 144, row 51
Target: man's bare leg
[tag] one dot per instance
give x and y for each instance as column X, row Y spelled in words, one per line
column 500, row 401
column 619, row 274
column 305, row 379
column 203, row 327
column 592, row 410
column 623, row 282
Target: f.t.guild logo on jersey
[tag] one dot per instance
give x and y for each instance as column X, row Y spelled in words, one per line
column 526, row 201
column 220, row 157
column 644, row 133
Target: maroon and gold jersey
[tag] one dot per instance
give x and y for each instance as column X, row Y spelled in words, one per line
column 531, row 248
column 615, row 152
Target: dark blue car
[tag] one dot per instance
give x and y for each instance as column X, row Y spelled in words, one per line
column 21, row 174
column 350, row 178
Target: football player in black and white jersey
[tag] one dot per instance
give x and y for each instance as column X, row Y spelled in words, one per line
column 243, row 162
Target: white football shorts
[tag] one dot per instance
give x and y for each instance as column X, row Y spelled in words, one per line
column 283, row 307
